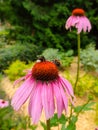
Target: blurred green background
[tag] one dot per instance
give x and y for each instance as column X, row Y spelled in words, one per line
column 28, row 27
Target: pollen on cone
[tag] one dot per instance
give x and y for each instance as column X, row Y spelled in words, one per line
column 45, row 71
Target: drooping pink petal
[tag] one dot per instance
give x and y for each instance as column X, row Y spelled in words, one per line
column 68, row 89
column 19, row 80
column 22, row 93
column 29, row 74
column 58, row 96
column 68, row 22
column 88, row 24
column 84, row 23
column 81, row 23
column 67, row 86
column 35, row 104
column 48, row 100
column 71, row 22
column 75, row 21
column 64, row 97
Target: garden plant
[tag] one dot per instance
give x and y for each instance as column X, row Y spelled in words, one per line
column 46, row 56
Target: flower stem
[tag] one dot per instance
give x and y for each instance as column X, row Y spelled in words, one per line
column 48, row 124
column 78, row 63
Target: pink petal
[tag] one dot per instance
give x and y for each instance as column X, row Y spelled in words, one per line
column 71, row 22
column 19, row 80
column 64, row 97
column 67, row 86
column 22, row 93
column 87, row 24
column 23, row 78
column 29, row 73
column 75, row 21
column 35, row 104
column 80, row 22
column 68, row 89
column 79, row 25
column 84, row 24
column 48, row 100
column 59, row 100
column 68, row 22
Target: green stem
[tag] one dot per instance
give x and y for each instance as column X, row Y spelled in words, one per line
column 78, row 63
column 71, row 112
column 48, row 124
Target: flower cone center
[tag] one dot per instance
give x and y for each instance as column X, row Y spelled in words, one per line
column 3, row 102
column 45, row 71
column 78, row 12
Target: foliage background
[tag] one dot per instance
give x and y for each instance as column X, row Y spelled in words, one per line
column 39, row 25
column 42, row 22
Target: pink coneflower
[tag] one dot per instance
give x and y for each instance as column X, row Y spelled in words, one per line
column 79, row 21
column 3, row 103
column 43, row 85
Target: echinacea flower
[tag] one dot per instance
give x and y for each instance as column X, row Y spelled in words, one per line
column 79, row 21
column 3, row 103
column 44, row 86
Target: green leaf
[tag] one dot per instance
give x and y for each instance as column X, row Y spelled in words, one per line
column 72, row 123
column 55, row 121
column 85, row 107
column 88, row 106
column 33, row 127
column 43, row 125
column 62, row 119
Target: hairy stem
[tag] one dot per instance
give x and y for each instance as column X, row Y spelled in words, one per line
column 78, row 63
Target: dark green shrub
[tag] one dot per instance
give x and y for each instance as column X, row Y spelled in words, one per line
column 24, row 52
column 3, row 33
column 45, row 21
